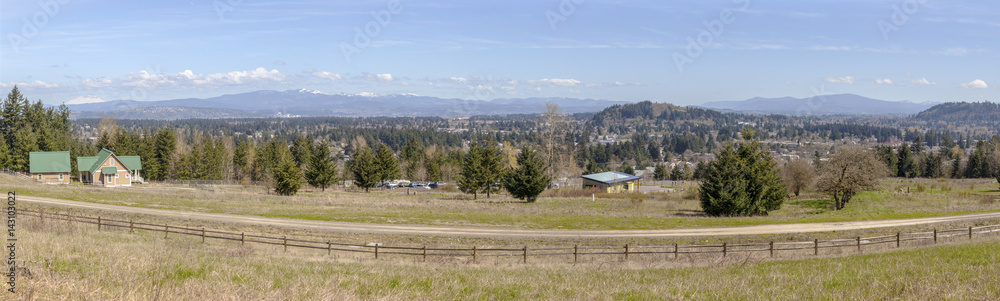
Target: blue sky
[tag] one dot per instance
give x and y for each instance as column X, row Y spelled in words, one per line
column 80, row 51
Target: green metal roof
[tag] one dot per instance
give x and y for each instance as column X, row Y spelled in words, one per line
column 85, row 163
column 611, row 177
column 48, row 162
column 131, row 162
column 101, row 156
column 109, row 170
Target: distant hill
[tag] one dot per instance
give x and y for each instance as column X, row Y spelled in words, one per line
column 647, row 111
column 962, row 112
column 313, row 103
column 837, row 104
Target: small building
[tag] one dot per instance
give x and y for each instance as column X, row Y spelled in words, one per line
column 109, row 170
column 49, row 167
column 611, row 182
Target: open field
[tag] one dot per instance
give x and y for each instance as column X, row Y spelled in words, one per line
column 69, row 260
column 566, row 209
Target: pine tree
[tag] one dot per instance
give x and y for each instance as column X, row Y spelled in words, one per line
column 302, row 150
column 386, row 162
column 481, row 169
column 4, row 154
column 906, row 167
column 529, row 179
column 241, row 158
column 364, row 168
column 322, row 172
column 742, row 181
column 660, row 173
column 288, row 178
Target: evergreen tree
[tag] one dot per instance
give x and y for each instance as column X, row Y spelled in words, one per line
column 322, row 171
column 386, row 161
column 302, row 150
column 742, row 181
column 288, row 178
column 163, row 155
column 4, row 154
column 676, row 173
column 481, row 168
column 241, row 158
column 906, row 166
column 660, row 173
column 888, row 156
column 365, row 168
column 529, row 179
column 24, row 143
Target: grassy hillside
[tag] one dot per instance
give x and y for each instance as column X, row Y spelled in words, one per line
column 116, row 265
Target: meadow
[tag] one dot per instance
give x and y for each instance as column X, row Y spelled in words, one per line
column 68, row 260
column 556, row 209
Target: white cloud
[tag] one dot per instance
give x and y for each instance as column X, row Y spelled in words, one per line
column 97, row 82
column 189, row 78
column 840, row 80
column 976, row 84
column 386, row 77
column 84, row 99
column 555, row 82
column 883, row 81
column 29, row 85
column 327, row 75
column 923, row 82
column 460, row 80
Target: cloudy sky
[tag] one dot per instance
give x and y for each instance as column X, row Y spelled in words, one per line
column 684, row 52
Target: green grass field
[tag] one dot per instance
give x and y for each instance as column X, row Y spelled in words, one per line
column 115, row 265
column 565, row 209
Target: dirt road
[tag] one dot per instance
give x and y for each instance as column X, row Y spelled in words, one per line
column 345, row 227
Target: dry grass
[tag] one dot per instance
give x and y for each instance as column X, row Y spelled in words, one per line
column 563, row 209
column 115, row 265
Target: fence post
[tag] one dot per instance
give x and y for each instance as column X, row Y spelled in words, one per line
column 970, row 232
column 166, row 229
column 242, row 238
column 859, row 244
column 284, row 242
column 935, row 236
column 675, row 250
column 329, row 248
column 626, row 252
column 771, row 248
column 474, row 254
column 574, row 253
column 816, row 247
column 897, row 239
column 41, row 215
column 130, row 228
column 425, row 253
column 525, row 254
column 98, row 223
column 202, row 234
column 376, row 251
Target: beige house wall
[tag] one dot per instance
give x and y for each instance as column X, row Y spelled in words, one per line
column 51, row 177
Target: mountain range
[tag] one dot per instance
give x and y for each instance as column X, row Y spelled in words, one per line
column 313, row 103
column 835, row 104
column 294, row 103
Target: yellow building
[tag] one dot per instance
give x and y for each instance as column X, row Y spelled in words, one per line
column 611, row 182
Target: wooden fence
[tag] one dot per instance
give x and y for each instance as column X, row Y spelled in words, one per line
column 771, row 248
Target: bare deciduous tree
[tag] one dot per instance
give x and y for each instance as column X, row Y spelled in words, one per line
column 799, row 175
column 850, row 170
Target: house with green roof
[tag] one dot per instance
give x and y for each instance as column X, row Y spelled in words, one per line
column 49, row 167
column 109, row 170
column 611, row 182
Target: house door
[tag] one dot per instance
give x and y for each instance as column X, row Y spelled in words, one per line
column 109, row 179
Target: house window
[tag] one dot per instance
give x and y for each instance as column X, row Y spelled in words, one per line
column 39, row 177
column 128, row 176
column 60, row 177
column 116, row 176
column 112, row 162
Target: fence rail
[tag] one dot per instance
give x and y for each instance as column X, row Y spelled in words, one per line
column 475, row 252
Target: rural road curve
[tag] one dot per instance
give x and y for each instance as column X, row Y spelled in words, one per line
column 346, row 227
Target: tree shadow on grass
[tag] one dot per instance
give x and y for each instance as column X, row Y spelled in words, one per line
column 818, row 206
